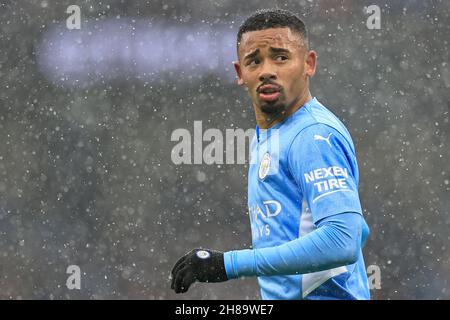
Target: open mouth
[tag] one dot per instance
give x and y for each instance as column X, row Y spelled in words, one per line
column 269, row 92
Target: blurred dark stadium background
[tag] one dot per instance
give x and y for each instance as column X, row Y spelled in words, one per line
column 86, row 117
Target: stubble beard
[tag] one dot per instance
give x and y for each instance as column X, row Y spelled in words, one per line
column 273, row 108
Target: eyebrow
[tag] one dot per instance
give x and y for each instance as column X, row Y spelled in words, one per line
column 272, row 49
column 252, row 55
column 279, row 50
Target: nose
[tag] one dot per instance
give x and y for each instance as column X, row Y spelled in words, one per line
column 267, row 73
column 267, row 76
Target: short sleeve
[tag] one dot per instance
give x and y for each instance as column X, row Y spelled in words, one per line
column 323, row 164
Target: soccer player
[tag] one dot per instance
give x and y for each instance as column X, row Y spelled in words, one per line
column 306, row 218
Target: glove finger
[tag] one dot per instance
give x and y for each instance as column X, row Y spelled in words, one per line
column 177, row 269
column 188, row 279
column 182, row 261
column 179, row 278
column 175, row 273
column 177, row 264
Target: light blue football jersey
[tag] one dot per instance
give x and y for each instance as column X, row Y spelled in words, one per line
column 302, row 170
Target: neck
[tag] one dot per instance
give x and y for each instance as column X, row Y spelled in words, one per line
column 266, row 121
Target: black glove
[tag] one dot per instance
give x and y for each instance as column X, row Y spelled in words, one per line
column 202, row 265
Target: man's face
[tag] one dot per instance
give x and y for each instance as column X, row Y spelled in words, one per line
column 274, row 64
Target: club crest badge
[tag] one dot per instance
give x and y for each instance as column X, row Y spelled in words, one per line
column 264, row 166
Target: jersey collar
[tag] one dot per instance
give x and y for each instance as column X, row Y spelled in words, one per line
column 263, row 134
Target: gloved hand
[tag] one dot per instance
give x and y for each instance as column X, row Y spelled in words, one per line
column 202, row 265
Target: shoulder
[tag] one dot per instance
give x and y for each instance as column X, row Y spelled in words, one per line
column 320, row 137
column 321, row 125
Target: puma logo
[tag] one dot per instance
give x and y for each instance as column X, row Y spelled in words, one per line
column 319, row 137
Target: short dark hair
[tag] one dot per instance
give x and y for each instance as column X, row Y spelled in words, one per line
column 273, row 18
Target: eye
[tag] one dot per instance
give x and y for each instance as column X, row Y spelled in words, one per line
column 253, row 62
column 281, row 58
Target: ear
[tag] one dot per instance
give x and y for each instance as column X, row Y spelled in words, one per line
column 311, row 60
column 237, row 67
